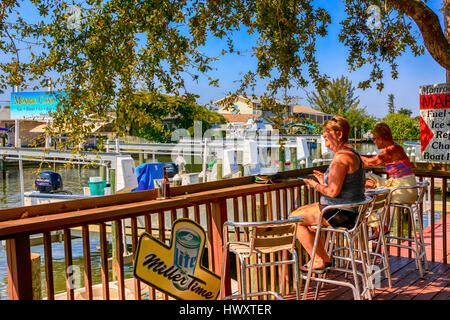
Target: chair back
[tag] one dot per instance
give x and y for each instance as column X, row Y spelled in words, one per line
column 274, row 237
column 265, row 236
column 381, row 197
column 421, row 190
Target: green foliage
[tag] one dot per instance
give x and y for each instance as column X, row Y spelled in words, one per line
column 318, row 128
column 337, row 98
column 274, row 112
column 405, row 111
column 402, row 126
column 124, row 46
column 377, row 46
column 359, row 119
column 155, row 117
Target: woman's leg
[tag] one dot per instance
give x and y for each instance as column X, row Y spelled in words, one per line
column 306, row 235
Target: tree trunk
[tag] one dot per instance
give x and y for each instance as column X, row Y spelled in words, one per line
column 428, row 22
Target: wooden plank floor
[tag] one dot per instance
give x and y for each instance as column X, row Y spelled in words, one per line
column 406, row 283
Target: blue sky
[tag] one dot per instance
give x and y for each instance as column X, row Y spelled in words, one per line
column 331, row 55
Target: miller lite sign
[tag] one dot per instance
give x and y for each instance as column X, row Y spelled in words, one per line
column 177, row 269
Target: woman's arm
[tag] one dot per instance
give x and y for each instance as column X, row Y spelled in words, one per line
column 376, row 160
column 390, row 153
column 339, row 168
column 372, row 161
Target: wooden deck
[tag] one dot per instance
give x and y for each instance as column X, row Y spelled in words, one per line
column 406, row 283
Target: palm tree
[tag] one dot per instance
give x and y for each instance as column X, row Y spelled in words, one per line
column 337, row 98
column 391, row 107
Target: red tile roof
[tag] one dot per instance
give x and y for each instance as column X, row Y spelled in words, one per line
column 239, row 117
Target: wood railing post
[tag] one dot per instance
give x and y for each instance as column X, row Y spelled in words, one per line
column 219, row 216
column 20, row 283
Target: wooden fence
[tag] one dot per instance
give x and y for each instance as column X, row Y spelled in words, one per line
column 210, row 204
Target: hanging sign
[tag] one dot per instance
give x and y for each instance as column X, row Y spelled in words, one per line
column 34, row 105
column 177, row 269
column 435, row 122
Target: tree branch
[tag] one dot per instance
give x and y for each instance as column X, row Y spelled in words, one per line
column 428, row 22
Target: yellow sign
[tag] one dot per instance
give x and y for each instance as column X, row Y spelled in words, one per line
column 177, row 269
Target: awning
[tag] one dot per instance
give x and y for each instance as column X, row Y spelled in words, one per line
column 294, row 124
column 41, row 128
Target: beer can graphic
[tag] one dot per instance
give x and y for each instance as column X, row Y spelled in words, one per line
column 187, row 248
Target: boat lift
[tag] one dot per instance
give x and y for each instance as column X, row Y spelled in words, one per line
column 105, row 159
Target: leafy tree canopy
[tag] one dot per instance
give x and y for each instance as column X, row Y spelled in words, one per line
column 112, row 49
column 402, row 126
column 359, row 119
column 405, row 111
column 156, row 117
column 337, row 98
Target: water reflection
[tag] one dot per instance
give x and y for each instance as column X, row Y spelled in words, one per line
column 74, row 179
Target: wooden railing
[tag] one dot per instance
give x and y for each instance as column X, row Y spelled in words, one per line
column 121, row 215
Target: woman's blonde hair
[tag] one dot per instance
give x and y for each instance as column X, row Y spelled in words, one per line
column 383, row 131
column 338, row 123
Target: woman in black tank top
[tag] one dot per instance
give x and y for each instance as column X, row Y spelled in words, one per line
column 343, row 182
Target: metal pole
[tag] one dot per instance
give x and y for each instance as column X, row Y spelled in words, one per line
column 115, row 250
column 3, row 163
column 205, row 148
column 117, row 145
column 294, row 164
column 17, row 145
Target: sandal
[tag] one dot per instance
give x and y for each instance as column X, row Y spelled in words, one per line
column 321, row 270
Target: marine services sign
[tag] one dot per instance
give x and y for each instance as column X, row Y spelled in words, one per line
column 435, row 122
column 33, row 105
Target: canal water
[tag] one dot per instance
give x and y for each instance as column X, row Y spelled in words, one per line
column 74, row 179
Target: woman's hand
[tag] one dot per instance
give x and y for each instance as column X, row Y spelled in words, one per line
column 311, row 182
column 319, row 176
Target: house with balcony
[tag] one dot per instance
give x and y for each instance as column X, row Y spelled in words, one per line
column 242, row 108
column 302, row 112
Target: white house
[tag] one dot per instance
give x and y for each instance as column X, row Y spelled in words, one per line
column 306, row 112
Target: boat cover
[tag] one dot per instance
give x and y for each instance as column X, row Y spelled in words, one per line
column 146, row 173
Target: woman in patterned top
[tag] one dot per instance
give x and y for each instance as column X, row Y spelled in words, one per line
column 397, row 165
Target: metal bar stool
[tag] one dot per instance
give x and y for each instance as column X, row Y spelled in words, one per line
column 377, row 215
column 265, row 237
column 416, row 225
column 354, row 238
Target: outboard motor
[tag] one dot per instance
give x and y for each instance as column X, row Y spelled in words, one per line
column 48, row 182
column 171, row 169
